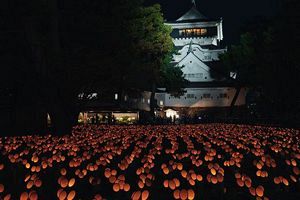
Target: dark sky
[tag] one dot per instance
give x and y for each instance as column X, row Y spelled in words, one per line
column 235, row 13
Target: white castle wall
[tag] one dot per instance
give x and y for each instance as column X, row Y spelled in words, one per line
column 195, row 70
column 193, row 64
column 205, row 55
column 197, row 97
column 198, row 40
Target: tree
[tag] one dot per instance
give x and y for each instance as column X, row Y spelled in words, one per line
column 153, row 47
column 240, row 59
column 67, row 48
column 267, row 63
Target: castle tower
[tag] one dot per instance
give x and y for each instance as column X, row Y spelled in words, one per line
column 198, row 41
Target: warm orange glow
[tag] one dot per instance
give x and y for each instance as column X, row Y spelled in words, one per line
column 259, row 191
column 177, row 159
column 1, row 188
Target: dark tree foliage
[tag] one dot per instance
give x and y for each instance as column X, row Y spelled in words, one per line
column 266, row 60
column 54, row 50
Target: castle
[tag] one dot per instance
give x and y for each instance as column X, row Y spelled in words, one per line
column 198, row 41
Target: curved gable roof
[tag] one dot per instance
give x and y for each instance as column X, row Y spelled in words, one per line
column 192, row 15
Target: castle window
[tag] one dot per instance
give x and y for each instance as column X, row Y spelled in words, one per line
column 161, row 103
column 223, row 95
column 192, row 32
column 207, row 57
column 181, row 32
column 197, row 75
column 206, row 96
column 203, row 31
column 173, row 97
column 190, row 96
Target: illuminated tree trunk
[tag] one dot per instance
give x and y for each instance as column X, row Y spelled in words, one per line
column 233, row 102
column 152, row 101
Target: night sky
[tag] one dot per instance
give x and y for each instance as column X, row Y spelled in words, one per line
column 236, row 13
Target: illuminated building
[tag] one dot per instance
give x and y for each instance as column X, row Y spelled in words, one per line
column 198, row 41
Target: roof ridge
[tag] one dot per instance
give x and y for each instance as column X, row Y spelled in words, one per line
column 192, row 14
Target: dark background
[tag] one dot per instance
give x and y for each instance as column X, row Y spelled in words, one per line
column 235, row 13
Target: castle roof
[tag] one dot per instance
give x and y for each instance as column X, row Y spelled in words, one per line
column 192, row 15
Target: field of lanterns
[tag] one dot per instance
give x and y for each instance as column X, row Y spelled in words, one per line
column 211, row 162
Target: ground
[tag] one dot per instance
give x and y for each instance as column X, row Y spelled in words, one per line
column 213, row 161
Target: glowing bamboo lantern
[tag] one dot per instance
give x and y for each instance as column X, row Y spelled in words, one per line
column 107, row 173
column 7, row 197
column 240, row 182
column 126, row 187
column 141, row 184
column 248, row 183
column 214, row 179
column 114, row 172
column 29, row 184
column 163, row 166
column 293, row 162
column 193, row 176
column 1, row 188
column 199, row 177
column 183, row 194
column 166, row 183
column 166, row 170
column 293, row 178
column 177, row 182
column 191, row 194
column 63, row 171
column 259, row 191
column 24, row 196
column 285, row 182
column 64, row 182
column 213, row 171
column 172, row 185
column 38, row 183
column 258, row 173
column 252, row 191
column 71, row 182
column 27, row 165
column 121, row 177
column 183, row 173
column 296, row 171
column 33, row 195
column 148, row 182
column 62, row 195
column 220, row 177
column 116, row 187
column 237, row 175
column 176, row 194
column 145, row 195
column 112, row 179
column 136, row 195
column 58, row 192
column 179, row 166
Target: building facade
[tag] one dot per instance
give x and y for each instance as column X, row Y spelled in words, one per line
column 198, row 41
